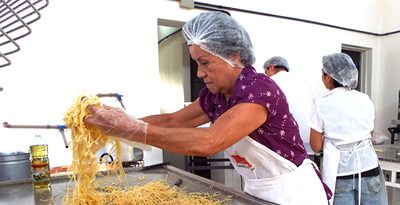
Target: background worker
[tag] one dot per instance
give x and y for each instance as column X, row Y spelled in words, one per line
column 342, row 127
column 250, row 118
column 300, row 96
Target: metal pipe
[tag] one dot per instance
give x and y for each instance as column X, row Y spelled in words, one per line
column 59, row 127
column 214, row 7
column 116, row 95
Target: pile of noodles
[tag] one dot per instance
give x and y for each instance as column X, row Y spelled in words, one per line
column 88, row 190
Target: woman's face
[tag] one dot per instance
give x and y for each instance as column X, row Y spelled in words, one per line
column 218, row 75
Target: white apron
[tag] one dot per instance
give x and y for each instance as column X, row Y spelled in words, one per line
column 331, row 159
column 270, row 177
column 330, row 165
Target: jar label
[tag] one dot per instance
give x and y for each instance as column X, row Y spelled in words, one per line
column 38, row 150
column 40, row 172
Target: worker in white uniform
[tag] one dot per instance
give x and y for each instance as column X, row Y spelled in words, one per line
column 299, row 94
column 343, row 126
column 249, row 115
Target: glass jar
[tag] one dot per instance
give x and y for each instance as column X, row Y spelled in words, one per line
column 40, row 166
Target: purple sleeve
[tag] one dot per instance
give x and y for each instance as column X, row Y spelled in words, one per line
column 208, row 104
column 263, row 91
column 204, row 98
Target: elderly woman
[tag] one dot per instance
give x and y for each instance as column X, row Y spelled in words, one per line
column 249, row 114
column 343, row 126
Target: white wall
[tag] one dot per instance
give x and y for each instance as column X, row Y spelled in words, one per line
column 386, row 96
column 111, row 46
column 390, row 15
column 96, row 46
column 387, row 83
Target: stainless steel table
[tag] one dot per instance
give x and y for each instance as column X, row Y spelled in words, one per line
column 389, row 159
column 394, row 130
column 21, row 192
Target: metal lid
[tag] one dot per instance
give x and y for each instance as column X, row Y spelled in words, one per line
column 13, row 156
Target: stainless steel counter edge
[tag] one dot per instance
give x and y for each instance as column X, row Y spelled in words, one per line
column 184, row 175
column 219, row 186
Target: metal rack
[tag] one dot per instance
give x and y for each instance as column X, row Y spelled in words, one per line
column 15, row 18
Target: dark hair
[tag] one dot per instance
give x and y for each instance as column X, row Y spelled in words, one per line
column 335, row 83
column 282, row 67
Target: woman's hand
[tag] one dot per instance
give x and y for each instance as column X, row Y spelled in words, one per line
column 115, row 122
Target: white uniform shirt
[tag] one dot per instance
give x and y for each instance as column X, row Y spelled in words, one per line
column 301, row 98
column 347, row 117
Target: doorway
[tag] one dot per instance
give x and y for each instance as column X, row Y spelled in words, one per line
column 362, row 59
column 356, row 57
column 178, row 77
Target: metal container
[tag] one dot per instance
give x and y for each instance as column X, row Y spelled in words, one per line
column 14, row 166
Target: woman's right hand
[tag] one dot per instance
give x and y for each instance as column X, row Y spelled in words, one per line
column 116, row 122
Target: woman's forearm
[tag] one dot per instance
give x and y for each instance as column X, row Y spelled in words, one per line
column 187, row 141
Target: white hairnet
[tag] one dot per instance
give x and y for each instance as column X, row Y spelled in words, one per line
column 220, row 35
column 341, row 68
column 277, row 61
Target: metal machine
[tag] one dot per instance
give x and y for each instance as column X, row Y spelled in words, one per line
column 395, row 130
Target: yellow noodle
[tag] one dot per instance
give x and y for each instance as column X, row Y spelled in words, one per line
column 86, row 141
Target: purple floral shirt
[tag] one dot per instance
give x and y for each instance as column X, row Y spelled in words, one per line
column 280, row 132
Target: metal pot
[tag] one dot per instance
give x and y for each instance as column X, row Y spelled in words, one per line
column 14, row 166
